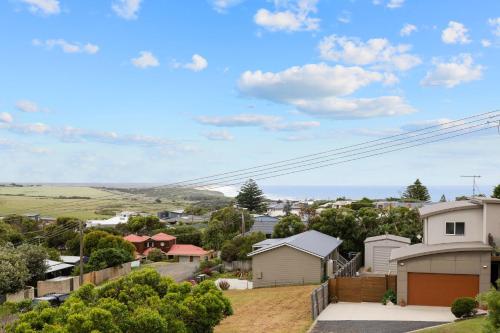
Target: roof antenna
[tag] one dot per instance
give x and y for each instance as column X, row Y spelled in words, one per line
column 474, row 186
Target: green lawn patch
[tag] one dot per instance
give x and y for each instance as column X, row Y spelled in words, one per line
column 464, row 326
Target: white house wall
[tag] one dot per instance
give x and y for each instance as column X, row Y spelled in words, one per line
column 436, row 227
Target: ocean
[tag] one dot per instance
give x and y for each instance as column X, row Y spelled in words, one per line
column 301, row 192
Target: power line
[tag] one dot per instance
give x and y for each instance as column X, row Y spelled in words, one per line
column 321, row 163
column 443, row 128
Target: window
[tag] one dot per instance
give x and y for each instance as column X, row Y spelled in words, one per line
column 455, row 228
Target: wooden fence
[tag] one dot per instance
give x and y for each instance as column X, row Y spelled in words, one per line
column 367, row 288
column 319, row 300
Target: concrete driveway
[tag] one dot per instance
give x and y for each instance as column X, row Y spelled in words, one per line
column 373, row 318
column 178, row 271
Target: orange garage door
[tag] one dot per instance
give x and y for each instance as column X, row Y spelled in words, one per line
column 440, row 289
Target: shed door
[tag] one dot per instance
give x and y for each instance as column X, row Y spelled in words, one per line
column 440, row 289
column 381, row 255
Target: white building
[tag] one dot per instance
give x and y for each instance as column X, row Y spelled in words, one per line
column 112, row 222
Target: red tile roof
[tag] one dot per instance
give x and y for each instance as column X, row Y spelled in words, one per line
column 136, row 238
column 163, row 237
column 186, row 250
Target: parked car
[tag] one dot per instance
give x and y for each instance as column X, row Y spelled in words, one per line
column 53, row 299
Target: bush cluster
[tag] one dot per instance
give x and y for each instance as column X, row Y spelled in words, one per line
column 464, row 307
column 143, row 301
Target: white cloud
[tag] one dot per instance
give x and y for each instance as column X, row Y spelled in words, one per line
column 25, row 105
column 222, row 6
column 18, row 146
column 495, row 23
column 308, row 81
column 219, row 136
column 456, row 33
column 240, row 120
column 47, row 7
column 67, row 47
column 317, row 88
column 289, row 16
column 341, row 108
column 485, row 42
column 393, row 4
column 376, row 51
column 267, row 122
column 293, row 126
column 417, row 125
column 6, row 117
column 344, row 17
column 146, row 59
column 197, row 64
column 458, row 70
column 126, row 9
column 408, row 29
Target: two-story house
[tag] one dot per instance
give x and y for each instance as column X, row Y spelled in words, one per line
column 144, row 244
column 455, row 257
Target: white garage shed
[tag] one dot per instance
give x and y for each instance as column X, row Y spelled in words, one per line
column 378, row 251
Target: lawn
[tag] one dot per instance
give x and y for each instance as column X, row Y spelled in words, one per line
column 76, row 201
column 464, row 326
column 270, row 310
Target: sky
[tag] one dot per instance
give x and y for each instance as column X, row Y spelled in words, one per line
column 163, row 91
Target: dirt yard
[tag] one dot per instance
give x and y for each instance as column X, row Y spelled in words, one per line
column 269, row 310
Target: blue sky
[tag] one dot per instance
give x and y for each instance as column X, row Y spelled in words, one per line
column 159, row 91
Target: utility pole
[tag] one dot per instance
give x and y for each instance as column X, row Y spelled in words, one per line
column 473, row 183
column 242, row 221
column 81, row 252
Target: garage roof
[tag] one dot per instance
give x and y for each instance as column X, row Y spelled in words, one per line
column 312, row 242
column 419, row 250
column 390, row 237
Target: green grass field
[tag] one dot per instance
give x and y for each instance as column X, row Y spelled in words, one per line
column 86, row 202
column 464, row 326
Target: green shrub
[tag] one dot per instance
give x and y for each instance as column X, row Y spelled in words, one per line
column 156, row 255
column 491, row 299
column 389, row 295
column 464, row 307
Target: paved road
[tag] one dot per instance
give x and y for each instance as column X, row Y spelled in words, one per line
column 178, row 271
column 370, row 326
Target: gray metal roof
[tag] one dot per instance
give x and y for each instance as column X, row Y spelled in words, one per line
column 444, row 207
column 312, row 242
column 419, row 250
column 265, row 227
column 388, row 236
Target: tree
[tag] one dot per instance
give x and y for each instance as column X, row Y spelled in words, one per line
column 251, row 197
column 363, row 203
column 142, row 301
column 240, row 246
column 34, row 257
column 443, row 198
column 230, row 217
column 496, row 192
column 417, row 191
column 63, row 232
column 214, row 235
column 97, row 240
column 108, row 257
column 13, row 271
column 186, row 234
column 143, row 224
column 288, row 226
column 342, row 223
column 287, row 208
